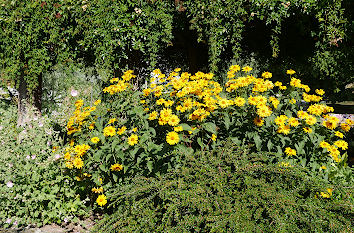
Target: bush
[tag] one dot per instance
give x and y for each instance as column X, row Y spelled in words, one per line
column 230, row 190
column 131, row 133
column 34, row 188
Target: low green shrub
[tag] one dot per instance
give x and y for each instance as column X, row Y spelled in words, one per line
column 230, row 190
column 34, row 188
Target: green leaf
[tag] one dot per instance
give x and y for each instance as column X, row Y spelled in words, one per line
column 150, row 165
column 210, row 127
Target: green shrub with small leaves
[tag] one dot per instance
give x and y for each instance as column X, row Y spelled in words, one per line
column 230, row 190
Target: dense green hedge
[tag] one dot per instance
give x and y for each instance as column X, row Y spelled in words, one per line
column 229, row 190
column 35, row 35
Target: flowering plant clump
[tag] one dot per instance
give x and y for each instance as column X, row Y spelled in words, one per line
column 132, row 132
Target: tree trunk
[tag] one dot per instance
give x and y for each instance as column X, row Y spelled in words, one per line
column 22, row 102
column 37, row 95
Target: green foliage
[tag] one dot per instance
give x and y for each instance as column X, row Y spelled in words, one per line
column 34, row 187
column 34, row 37
column 229, row 190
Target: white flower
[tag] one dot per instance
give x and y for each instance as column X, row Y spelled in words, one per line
column 33, row 156
column 10, row 184
column 74, row 92
column 57, row 156
column 8, row 220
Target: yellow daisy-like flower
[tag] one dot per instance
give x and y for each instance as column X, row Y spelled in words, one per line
column 239, row 101
column 291, row 72
column 153, row 115
column 345, row 127
column 112, row 120
column 292, row 101
column 267, row 74
column 341, row 144
column 339, row 134
column 323, row 167
column 69, row 164
column 319, row 92
column 327, row 194
column 324, row 144
column 78, row 163
column 109, row 131
column 290, row 152
column 311, row 120
column 121, row 130
column 97, row 190
column 117, row 167
column 263, row 111
column 213, row 137
column 133, row 139
column 95, row 140
column 246, row 69
column 173, row 120
column 178, row 128
column 258, row 121
column 307, row 130
column 97, row 102
column 135, row 129
column 101, row 200
column 172, row 138
column 293, row 122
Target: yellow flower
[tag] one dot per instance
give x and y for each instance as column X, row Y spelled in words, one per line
column 95, row 140
column 324, row 144
column 290, row 72
column 239, row 101
column 213, row 137
column 341, row 144
column 246, row 69
column 135, row 129
column 101, row 200
column 293, row 122
column 307, row 130
column 323, row 167
column 109, row 131
column 173, row 120
column 78, row 163
column 263, row 111
column 97, row 102
column 284, row 129
column 302, row 114
column 133, row 139
column 267, row 75
column 327, row 194
column 121, row 130
column 339, row 134
column 290, row 151
column 280, row 120
column 258, row 121
column 117, row 167
column 345, row 127
column 172, row 138
column 67, row 156
column 153, row 116
column 311, row 120
column 97, row 190
column 319, row 91
column 112, row 120
column 69, row 164
column 178, row 128
column 292, row 101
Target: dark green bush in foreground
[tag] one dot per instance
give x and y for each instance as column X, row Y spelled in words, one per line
column 230, row 191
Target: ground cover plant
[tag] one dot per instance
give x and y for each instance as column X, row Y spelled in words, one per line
column 34, row 189
column 130, row 133
column 230, row 190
